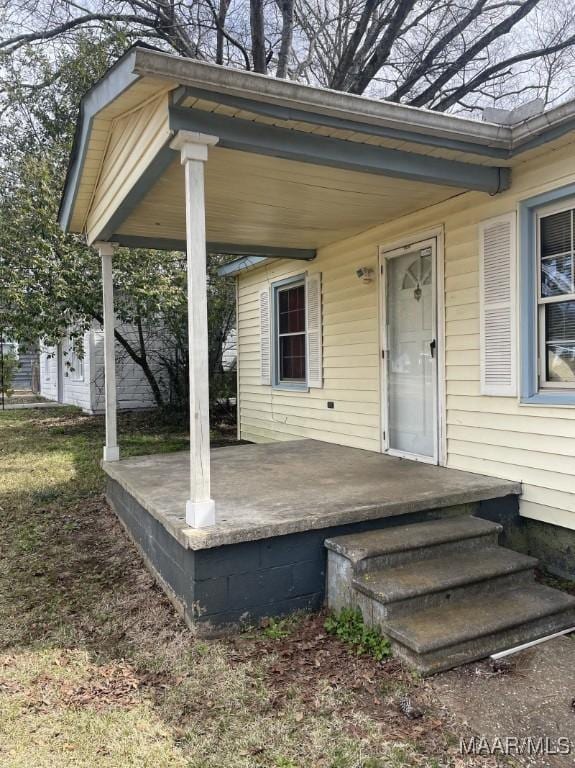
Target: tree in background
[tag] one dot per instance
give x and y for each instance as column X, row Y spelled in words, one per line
column 440, row 54
column 50, row 283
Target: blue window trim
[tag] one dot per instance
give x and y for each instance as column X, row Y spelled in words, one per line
column 276, row 383
column 530, row 394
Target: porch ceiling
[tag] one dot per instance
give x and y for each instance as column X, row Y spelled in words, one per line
column 258, row 200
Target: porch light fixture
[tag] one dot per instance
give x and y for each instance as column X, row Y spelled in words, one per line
column 365, row 274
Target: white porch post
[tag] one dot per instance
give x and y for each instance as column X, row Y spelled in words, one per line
column 111, row 449
column 200, row 508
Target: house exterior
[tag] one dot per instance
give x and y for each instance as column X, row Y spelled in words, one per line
column 495, row 396
column 25, row 375
column 405, row 350
column 67, row 378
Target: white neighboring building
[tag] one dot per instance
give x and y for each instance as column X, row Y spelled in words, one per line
column 66, row 378
column 230, row 351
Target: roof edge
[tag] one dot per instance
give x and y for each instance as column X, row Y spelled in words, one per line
column 117, row 79
column 287, row 93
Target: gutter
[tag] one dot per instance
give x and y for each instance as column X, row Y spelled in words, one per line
column 288, row 100
column 318, row 101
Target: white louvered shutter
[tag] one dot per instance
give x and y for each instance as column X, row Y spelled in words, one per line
column 313, row 330
column 497, row 279
column 265, row 337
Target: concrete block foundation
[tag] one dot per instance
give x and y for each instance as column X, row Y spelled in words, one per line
column 218, row 588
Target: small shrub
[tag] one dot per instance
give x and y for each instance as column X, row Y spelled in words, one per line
column 277, row 629
column 349, row 626
column 9, row 366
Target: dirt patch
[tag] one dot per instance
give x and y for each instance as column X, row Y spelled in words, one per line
column 309, row 660
column 532, row 697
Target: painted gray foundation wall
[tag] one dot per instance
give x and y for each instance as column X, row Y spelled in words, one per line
column 222, row 586
column 552, row 545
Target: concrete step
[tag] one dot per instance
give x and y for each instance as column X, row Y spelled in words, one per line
column 443, row 637
column 405, row 543
column 443, row 580
column 353, row 554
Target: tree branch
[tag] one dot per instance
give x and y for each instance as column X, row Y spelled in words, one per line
column 495, row 69
column 350, row 50
column 13, row 43
column 383, row 49
column 480, row 45
column 425, row 63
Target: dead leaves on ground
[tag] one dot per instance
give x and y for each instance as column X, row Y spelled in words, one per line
column 309, row 663
column 87, row 685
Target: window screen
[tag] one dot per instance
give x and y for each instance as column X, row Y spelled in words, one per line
column 557, row 298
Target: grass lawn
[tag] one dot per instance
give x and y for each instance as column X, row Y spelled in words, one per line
column 97, row 670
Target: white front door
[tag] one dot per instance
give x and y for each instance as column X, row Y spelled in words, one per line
column 410, row 351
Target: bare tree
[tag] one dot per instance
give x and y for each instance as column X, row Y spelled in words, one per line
column 440, row 54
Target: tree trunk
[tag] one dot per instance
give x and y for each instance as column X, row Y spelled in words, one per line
column 287, row 11
column 222, row 13
column 258, row 36
column 140, row 360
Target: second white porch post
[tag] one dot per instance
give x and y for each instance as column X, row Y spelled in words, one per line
column 200, row 508
column 111, row 449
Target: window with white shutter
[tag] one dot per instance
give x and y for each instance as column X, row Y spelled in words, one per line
column 294, row 318
column 314, row 331
column 265, row 337
column 497, row 277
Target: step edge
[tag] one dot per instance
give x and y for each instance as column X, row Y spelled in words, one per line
column 436, row 646
column 332, row 545
column 426, row 665
column 520, row 565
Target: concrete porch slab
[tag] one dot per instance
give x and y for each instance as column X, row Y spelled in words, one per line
column 265, row 491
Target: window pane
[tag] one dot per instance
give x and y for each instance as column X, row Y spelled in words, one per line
column 556, row 233
column 560, row 341
column 556, row 276
column 292, row 310
column 292, row 358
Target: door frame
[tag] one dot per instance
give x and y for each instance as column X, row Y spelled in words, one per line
column 385, row 252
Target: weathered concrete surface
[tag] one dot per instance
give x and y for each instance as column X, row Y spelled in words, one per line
column 533, row 700
column 445, row 637
column 553, row 545
column 459, row 569
column 28, row 406
column 262, row 491
column 399, row 545
column 457, row 596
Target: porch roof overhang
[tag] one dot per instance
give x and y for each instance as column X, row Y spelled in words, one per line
column 295, row 167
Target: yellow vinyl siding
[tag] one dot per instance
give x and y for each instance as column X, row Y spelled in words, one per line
column 350, row 357
column 491, row 435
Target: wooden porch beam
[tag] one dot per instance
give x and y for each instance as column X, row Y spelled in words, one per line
column 230, row 249
column 243, row 135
